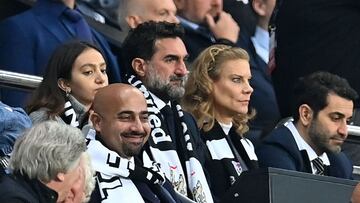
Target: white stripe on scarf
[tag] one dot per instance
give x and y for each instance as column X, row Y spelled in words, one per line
column 169, row 159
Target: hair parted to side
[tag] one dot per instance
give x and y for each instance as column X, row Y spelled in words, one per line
column 140, row 41
column 47, row 149
column 313, row 90
column 60, row 65
column 198, row 90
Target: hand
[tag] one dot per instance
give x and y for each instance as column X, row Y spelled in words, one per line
column 224, row 28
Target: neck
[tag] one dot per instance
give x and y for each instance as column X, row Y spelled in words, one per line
column 263, row 23
column 69, row 3
column 227, row 120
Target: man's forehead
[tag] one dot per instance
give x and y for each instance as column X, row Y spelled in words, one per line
column 340, row 105
column 171, row 45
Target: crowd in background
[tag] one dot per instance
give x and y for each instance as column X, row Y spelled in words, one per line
column 171, row 100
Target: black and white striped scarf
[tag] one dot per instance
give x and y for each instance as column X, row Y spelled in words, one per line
column 230, row 152
column 163, row 150
column 115, row 175
column 74, row 113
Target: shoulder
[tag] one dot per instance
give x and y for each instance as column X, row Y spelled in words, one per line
column 11, row 190
column 340, row 165
column 281, row 135
column 189, row 118
column 18, row 20
column 18, row 29
column 14, row 114
column 278, row 149
column 42, row 115
column 192, row 125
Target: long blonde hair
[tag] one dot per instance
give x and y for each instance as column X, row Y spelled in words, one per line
column 205, row 70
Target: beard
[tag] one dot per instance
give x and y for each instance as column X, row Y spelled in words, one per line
column 321, row 138
column 133, row 149
column 156, row 84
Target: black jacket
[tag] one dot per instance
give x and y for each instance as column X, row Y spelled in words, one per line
column 20, row 189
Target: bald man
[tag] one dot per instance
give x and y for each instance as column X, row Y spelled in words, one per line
column 134, row 12
column 120, row 119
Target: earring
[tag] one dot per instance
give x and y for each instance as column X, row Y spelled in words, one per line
column 67, row 91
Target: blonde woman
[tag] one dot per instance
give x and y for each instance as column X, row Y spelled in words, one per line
column 217, row 94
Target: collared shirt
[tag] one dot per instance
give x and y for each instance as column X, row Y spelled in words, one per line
column 196, row 27
column 261, row 42
column 188, row 23
column 303, row 145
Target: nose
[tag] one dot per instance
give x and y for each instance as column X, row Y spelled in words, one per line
column 181, row 69
column 216, row 3
column 137, row 125
column 343, row 130
column 101, row 78
column 247, row 88
column 174, row 19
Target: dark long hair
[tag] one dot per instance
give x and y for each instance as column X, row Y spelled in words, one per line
column 48, row 94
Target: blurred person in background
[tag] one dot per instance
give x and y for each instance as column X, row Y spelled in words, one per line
column 13, row 121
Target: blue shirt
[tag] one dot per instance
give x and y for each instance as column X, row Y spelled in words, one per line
column 13, row 121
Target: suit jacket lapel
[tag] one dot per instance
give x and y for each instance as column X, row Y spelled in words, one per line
column 306, row 166
column 48, row 15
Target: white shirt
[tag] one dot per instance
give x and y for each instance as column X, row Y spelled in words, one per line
column 261, row 42
column 303, row 145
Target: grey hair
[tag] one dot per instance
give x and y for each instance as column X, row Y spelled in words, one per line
column 89, row 177
column 47, row 149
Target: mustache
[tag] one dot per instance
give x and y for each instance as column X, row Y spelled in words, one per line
column 133, row 134
column 176, row 78
column 336, row 137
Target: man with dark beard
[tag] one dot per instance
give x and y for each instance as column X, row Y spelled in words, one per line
column 121, row 121
column 155, row 57
column 312, row 141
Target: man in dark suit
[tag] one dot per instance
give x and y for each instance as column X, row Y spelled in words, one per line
column 28, row 39
column 257, row 45
column 155, row 57
column 206, row 24
column 312, row 141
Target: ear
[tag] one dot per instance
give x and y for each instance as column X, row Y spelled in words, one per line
column 95, row 119
column 60, row 177
column 259, row 7
column 64, row 85
column 305, row 115
column 133, row 21
column 139, row 66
